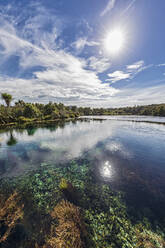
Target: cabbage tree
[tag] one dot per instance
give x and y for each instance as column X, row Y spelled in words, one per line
column 7, row 98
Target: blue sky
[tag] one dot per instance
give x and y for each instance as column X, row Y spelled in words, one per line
column 54, row 50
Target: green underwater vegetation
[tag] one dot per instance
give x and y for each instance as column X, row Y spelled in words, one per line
column 64, row 207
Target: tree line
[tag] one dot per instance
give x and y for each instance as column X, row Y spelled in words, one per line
column 22, row 112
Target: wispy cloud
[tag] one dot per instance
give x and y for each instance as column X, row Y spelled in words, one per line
column 110, row 5
column 117, row 76
column 55, row 74
column 50, row 70
column 161, row 65
column 129, row 6
column 130, row 72
column 80, row 43
column 99, row 64
column 141, row 96
column 129, row 96
column 136, row 65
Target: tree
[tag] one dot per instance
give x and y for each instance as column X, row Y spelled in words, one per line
column 20, row 103
column 162, row 111
column 49, row 108
column 31, row 111
column 7, row 98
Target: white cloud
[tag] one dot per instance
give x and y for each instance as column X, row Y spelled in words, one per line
column 129, row 73
column 99, row 64
column 63, row 77
column 136, row 65
column 138, row 96
column 39, row 90
column 110, row 5
column 82, row 42
column 161, row 64
column 117, row 76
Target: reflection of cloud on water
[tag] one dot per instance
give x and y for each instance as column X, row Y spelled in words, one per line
column 52, row 147
column 115, row 146
column 75, row 139
column 62, row 144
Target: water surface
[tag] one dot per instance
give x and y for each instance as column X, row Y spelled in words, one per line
column 130, row 156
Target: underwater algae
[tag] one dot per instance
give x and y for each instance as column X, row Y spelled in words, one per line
column 50, row 217
column 70, row 226
column 11, row 211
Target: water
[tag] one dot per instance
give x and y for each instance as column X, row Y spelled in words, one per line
column 136, row 118
column 128, row 156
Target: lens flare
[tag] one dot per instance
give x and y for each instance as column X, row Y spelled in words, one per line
column 114, row 41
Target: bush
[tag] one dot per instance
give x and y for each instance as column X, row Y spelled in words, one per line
column 55, row 114
column 31, row 111
column 22, row 119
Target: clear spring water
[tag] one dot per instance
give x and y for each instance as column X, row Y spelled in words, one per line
column 130, row 156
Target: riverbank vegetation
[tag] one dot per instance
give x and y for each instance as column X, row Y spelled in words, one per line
column 21, row 112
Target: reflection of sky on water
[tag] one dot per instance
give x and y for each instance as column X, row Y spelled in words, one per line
column 128, row 155
column 140, row 118
column 118, row 141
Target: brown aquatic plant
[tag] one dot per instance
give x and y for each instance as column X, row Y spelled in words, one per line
column 148, row 239
column 70, row 229
column 11, row 211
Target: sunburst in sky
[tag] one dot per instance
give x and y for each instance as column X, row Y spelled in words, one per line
column 114, row 41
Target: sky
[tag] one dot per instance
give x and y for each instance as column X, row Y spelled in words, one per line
column 59, row 50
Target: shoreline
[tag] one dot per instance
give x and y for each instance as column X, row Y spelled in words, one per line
column 86, row 118
column 117, row 119
column 18, row 124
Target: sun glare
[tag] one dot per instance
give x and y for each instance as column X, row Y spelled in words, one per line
column 114, row 41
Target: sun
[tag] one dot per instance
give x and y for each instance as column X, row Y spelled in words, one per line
column 114, row 41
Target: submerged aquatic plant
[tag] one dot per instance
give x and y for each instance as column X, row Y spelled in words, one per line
column 11, row 211
column 99, row 219
column 70, row 229
column 63, row 184
column 147, row 238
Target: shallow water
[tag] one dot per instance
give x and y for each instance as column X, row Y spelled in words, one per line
column 128, row 156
